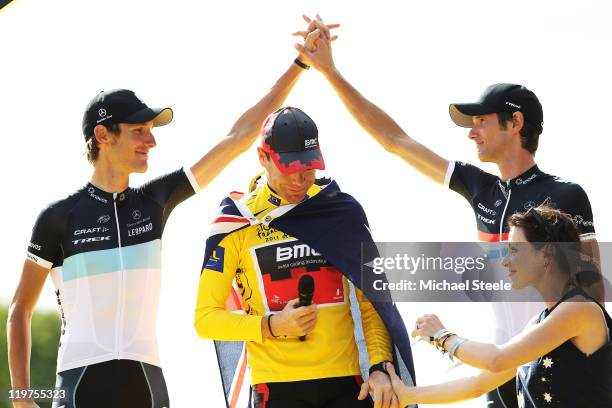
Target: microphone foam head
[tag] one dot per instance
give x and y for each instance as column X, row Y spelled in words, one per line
column 306, row 284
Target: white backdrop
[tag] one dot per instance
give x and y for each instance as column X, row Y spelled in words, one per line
column 211, row 61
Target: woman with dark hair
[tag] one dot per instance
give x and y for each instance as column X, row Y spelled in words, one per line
column 563, row 358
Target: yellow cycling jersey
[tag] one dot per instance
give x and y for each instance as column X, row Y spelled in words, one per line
column 266, row 264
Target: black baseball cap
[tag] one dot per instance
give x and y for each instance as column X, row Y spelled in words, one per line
column 292, row 140
column 121, row 106
column 500, row 98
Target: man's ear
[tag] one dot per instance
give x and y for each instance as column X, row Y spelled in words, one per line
column 518, row 121
column 102, row 135
column 263, row 160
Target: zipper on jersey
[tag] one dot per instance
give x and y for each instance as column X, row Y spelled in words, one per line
column 119, row 319
column 501, row 221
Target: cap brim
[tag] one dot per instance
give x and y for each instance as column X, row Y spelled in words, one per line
column 290, row 162
column 159, row 116
column 462, row 113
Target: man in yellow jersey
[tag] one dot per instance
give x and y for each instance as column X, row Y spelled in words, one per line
column 320, row 369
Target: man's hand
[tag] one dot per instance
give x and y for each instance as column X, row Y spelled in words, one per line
column 404, row 394
column 427, row 325
column 380, row 385
column 315, row 24
column 316, row 49
column 292, row 321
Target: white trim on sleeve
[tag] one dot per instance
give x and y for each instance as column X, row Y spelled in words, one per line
column 449, row 173
column 588, row 236
column 39, row 261
column 192, row 179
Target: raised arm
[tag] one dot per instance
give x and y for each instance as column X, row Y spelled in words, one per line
column 244, row 132
column 371, row 118
column 18, row 326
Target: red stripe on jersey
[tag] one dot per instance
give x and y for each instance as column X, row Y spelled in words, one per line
column 488, row 237
column 230, row 219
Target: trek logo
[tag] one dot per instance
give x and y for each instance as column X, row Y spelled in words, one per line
column 215, row 262
column 485, row 220
column 486, row 210
column 294, row 252
column 513, row 105
column 92, row 239
column 521, row 181
column 310, row 143
column 104, row 219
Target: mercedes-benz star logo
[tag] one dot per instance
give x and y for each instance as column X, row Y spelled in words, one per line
column 102, row 112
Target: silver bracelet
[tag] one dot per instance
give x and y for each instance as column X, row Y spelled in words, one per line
column 454, row 346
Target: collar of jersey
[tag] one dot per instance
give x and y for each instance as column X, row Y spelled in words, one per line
column 105, row 197
column 524, row 179
column 263, row 200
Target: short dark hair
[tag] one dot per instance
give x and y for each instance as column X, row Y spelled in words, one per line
column 93, row 148
column 530, row 135
column 544, row 225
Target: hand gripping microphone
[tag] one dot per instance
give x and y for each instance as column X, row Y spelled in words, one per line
column 305, row 292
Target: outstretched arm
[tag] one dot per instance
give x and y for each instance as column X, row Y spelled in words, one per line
column 452, row 391
column 570, row 320
column 370, row 117
column 244, row 132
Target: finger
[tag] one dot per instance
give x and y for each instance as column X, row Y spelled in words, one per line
column 386, row 398
column 332, row 26
column 394, row 402
column 292, row 303
column 306, row 322
column 378, row 397
column 334, row 38
column 302, row 34
column 306, row 18
column 391, row 370
column 395, row 380
column 363, row 392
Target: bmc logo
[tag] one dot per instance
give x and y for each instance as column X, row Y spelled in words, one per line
column 310, row 142
column 294, row 252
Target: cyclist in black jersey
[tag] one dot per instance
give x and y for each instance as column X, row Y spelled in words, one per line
column 102, row 248
column 505, row 125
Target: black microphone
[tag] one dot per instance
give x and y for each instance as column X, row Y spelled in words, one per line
column 305, row 292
